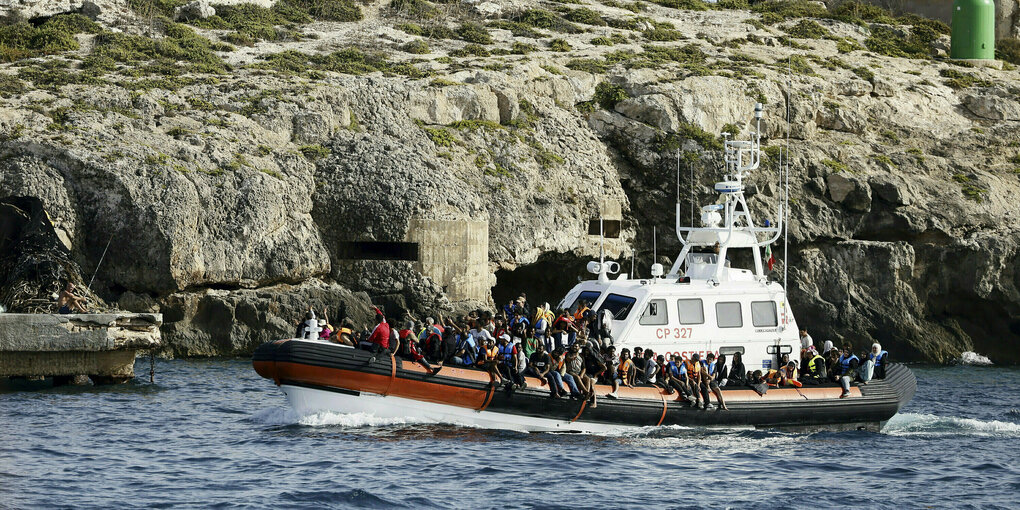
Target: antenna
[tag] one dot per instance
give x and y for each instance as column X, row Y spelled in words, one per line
column 602, row 242
column 655, row 246
column 786, row 169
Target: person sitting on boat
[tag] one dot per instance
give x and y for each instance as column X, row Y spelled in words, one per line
column 345, row 334
column 622, row 374
column 582, row 308
column 379, row 340
column 626, row 368
column 832, row 365
column 466, row 349
column 662, row 374
column 721, row 373
column 709, row 383
column 508, row 309
column 594, row 362
column 695, row 382
column 409, row 349
column 488, row 360
column 540, row 366
column 756, row 380
column 394, row 336
column 530, row 342
column 543, row 319
column 880, row 357
column 519, row 324
column 737, row 375
column 866, row 367
column 789, row 376
column 559, row 364
column 576, row 369
column 816, row 372
column 562, row 329
column 827, row 347
column 680, row 380
column 651, row 368
column 637, row 367
column 848, row 363
column 508, row 363
column 611, row 374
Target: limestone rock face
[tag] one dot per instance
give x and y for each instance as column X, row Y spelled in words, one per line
column 222, row 322
column 107, row 11
column 236, row 202
column 994, row 104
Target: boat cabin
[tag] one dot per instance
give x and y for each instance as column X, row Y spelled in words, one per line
column 704, row 304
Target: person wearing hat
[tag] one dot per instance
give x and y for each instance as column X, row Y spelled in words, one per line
column 508, row 362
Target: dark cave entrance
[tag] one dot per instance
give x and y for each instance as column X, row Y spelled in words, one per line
column 546, row 280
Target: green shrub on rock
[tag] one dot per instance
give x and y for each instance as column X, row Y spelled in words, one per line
column 417, row 47
column 474, row 33
column 807, row 29
column 559, row 45
column 10, row 86
column 1008, row 50
column 608, row 94
column 314, row 152
column 687, row 5
column 586, row 16
column 23, row 40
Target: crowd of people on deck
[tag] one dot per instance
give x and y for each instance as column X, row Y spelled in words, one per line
column 571, row 351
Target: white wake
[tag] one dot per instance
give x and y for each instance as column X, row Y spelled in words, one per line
column 910, row 424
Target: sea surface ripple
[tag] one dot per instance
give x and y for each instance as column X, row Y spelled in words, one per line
column 212, row 434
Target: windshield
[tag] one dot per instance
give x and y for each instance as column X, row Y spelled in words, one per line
column 588, row 296
column 619, row 306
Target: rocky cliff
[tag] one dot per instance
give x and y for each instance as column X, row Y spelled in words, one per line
column 249, row 161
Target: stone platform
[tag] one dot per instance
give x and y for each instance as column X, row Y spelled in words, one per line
column 69, row 348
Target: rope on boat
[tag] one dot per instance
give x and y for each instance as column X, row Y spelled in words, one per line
column 393, row 374
column 584, row 403
column 664, row 407
column 489, row 393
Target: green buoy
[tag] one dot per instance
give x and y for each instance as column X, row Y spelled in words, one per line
column 973, row 30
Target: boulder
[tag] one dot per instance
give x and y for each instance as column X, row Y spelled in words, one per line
column 197, row 9
column 849, row 192
column 654, row 110
column 998, row 103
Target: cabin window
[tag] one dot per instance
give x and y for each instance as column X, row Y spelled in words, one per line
column 728, row 315
column 763, row 314
column 618, row 305
column 781, row 349
column 655, row 313
column 691, row 311
column 730, row 351
column 588, row 296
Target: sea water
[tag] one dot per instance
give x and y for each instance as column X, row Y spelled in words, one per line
column 212, row 434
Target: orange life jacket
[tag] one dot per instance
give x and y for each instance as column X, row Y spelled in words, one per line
column 579, row 314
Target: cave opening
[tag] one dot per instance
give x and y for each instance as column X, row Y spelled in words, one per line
column 546, row 280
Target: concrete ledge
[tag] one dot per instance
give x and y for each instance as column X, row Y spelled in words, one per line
column 67, row 347
column 78, row 332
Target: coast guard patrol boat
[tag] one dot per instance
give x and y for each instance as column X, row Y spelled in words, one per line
column 701, row 305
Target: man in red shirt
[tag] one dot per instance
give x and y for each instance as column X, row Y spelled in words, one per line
column 380, row 337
